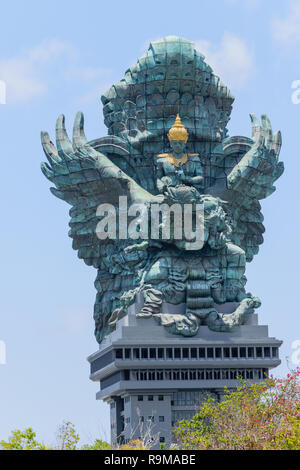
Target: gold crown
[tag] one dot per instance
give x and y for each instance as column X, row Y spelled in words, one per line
column 178, row 131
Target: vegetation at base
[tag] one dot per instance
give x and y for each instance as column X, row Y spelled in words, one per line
column 136, row 444
column 257, row 416
column 260, row 416
column 98, row 445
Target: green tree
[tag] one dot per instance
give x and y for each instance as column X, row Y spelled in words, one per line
column 22, row 440
column 98, row 445
column 67, row 438
column 261, row 416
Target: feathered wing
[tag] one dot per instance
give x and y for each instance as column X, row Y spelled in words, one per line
column 250, row 180
column 86, row 178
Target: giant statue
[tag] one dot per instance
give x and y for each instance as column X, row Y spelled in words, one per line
column 167, row 147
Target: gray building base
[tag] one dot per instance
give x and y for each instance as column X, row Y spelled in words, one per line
column 152, row 379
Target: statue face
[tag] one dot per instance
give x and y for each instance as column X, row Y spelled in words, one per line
column 177, row 146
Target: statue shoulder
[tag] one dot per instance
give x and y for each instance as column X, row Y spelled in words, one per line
column 163, row 155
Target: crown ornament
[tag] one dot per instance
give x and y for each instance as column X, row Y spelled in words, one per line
column 178, row 131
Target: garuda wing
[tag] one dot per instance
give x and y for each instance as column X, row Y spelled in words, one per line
column 250, row 180
column 86, row 178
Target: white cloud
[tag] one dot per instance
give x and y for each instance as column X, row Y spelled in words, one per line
column 23, row 74
column 232, row 60
column 27, row 75
column 286, row 30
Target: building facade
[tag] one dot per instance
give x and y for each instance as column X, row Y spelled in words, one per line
column 152, row 379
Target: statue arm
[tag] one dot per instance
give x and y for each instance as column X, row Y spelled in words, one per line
column 160, row 184
column 197, row 178
column 256, row 172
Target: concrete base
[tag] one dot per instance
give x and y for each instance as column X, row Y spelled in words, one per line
column 152, row 379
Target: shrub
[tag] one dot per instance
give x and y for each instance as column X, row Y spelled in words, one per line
column 262, row 416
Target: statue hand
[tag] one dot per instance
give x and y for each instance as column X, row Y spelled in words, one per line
column 259, row 168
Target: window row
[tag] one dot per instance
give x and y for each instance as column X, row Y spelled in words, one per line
column 192, row 397
column 198, row 374
column 161, row 419
column 150, row 397
column 243, row 352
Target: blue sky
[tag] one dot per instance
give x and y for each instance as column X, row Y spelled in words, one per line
column 58, row 57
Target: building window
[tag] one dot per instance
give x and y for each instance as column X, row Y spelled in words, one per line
column 162, row 440
column 119, row 353
column 160, row 353
column 176, row 375
column 136, row 353
column 161, row 419
column 160, row 375
column 160, row 398
column 202, row 353
column 150, row 397
column 242, row 352
column 152, row 353
column 193, row 353
column 250, row 352
column 225, row 374
column 210, row 353
column 218, row 353
column 226, row 353
column 127, row 353
column 144, row 353
column 143, row 375
column 185, row 353
column 274, row 352
column 267, row 352
column 169, row 353
column 234, row 352
column 258, row 352
column 168, row 375
column 140, row 398
column 184, row 375
column 151, row 418
column 177, row 353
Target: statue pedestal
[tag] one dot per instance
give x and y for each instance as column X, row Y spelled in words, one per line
column 152, row 379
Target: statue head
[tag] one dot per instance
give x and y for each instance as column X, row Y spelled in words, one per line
column 216, row 224
column 178, row 136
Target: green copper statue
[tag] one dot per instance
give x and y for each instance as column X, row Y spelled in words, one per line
column 167, row 144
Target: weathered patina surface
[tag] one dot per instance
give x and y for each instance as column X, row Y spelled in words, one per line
column 149, row 159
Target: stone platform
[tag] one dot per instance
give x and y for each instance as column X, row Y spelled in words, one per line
column 152, row 379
